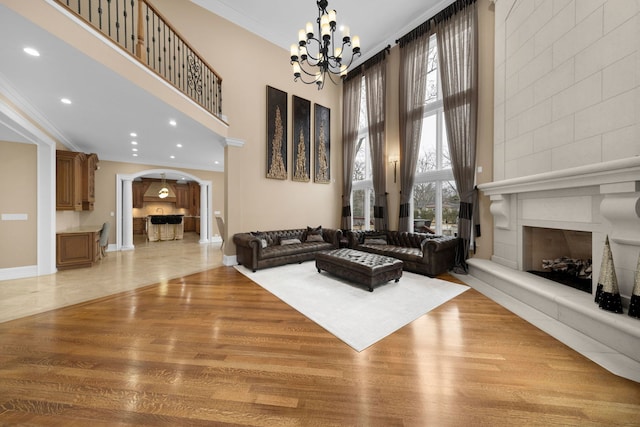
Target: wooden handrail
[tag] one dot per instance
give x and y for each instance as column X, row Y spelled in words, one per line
column 143, row 32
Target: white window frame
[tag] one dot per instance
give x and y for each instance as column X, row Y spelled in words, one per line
column 366, row 184
column 437, row 176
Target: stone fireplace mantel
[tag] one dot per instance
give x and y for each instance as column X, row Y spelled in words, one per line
column 617, row 181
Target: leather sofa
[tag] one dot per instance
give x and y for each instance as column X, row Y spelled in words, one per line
column 422, row 253
column 257, row 250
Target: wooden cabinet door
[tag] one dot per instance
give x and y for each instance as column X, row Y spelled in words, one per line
column 89, row 167
column 194, row 196
column 182, row 196
column 75, row 250
column 69, row 180
column 138, row 189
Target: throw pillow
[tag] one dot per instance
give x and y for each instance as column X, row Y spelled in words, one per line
column 314, row 238
column 284, row 242
column 375, row 241
column 262, row 237
column 310, row 231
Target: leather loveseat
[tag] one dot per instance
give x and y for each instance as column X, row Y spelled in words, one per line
column 421, row 253
column 257, row 250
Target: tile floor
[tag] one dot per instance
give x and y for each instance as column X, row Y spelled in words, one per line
column 149, row 263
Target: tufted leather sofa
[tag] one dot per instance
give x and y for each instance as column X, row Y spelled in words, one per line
column 264, row 249
column 421, row 253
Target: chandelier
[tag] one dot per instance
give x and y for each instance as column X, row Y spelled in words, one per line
column 322, row 57
column 164, row 191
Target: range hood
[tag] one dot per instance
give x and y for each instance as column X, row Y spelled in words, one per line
column 151, row 195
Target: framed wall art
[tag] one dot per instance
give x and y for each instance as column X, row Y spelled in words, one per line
column 322, row 142
column 276, row 133
column 301, row 145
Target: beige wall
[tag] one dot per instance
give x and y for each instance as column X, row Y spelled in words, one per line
column 247, row 65
column 18, row 178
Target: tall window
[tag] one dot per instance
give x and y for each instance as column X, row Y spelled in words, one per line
column 435, row 198
column 362, row 195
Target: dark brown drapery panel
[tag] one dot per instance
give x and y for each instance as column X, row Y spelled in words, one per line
column 457, row 54
column 350, row 116
column 413, row 91
column 376, row 84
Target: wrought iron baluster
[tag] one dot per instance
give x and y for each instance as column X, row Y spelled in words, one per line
column 100, row 14
column 147, row 39
column 118, row 21
column 109, row 16
column 124, row 19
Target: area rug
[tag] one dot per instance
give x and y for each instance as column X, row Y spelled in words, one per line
column 350, row 312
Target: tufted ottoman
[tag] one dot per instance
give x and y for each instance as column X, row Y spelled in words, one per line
column 359, row 267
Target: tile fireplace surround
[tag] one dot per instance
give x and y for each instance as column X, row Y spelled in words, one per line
column 603, row 199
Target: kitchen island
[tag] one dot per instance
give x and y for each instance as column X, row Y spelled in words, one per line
column 165, row 227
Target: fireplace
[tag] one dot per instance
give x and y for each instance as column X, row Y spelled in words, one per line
column 569, row 213
column 563, row 256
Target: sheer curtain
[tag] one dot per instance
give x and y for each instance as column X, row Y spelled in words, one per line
column 376, row 84
column 457, row 53
column 414, row 51
column 350, row 117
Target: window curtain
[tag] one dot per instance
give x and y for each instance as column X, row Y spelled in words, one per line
column 376, row 84
column 457, row 62
column 350, row 117
column 414, row 51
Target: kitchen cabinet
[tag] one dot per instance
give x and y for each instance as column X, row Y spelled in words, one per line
column 189, row 224
column 194, row 195
column 69, row 180
column 78, row 247
column 183, row 200
column 139, row 225
column 89, row 167
column 75, row 180
column 138, row 190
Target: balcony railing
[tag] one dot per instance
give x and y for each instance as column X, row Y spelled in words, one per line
column 138, row 28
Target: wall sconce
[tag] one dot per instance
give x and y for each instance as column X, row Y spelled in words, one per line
column 394, row 160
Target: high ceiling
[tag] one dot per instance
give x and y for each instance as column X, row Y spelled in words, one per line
column 106, row 107
column 378, row 23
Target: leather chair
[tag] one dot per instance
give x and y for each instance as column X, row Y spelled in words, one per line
column 220, row 222
column 104, row 239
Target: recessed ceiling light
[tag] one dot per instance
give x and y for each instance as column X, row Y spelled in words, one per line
column 134, row 142
column 31, row 51
column 65, row 101
column 173, row 122
column 133, row 134
column 173, row 157
column 134, row 149
column 179, row 145
column 135, row 155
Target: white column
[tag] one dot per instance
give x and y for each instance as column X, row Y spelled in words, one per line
column 46, row 209
column 127, row 216
column 205, row 214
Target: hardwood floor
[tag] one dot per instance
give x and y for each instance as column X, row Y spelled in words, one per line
column 213, row 348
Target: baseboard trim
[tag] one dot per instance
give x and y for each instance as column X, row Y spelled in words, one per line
column 18, row 272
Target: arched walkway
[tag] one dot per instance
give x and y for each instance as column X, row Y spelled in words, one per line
column 124, row 206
